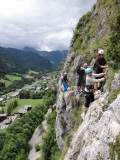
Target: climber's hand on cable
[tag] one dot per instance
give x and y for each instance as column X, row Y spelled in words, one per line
column 103, row 74
column 107, row 66
column 107, row 76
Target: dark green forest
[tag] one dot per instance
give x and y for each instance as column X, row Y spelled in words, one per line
column 17, row 84
column 18, row 61
column 14, row 140
column 55, row 57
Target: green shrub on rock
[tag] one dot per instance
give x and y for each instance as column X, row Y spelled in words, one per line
column 37, row 147
column 115, row 148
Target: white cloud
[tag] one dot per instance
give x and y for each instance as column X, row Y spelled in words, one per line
column 42, row 24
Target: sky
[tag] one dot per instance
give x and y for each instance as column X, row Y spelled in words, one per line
column 40, row 24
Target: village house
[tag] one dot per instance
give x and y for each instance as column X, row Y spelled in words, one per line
column 29, row 77
column 32, row 88
column 21, row 112
column 52, row 81
column 53, row 87
column 48, row 78
column 38, row 89
column 20, row 90
column 3, row 126
column 24, row 110
column 5, row 123
column 2, row 100
column 13, row 117
column 15, row 94
column 28, row 107
column 3, row 117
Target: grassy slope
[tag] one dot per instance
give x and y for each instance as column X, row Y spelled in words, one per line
column 7, row 83
column 22, row 102
column 30, row 71
column 13, row 78
column 87, row 28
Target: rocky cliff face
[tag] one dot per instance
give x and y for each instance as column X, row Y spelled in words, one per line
column 92, row 32
column 102, row 123
column 100, row 127
column 64, row 119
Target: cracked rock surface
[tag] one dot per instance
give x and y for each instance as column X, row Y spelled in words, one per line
column 98, row 129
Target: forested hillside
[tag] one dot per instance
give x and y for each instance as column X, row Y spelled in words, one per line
column 14, row 60
column 14, row 140
column 55, row 57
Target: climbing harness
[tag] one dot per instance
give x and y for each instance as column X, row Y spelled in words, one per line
column 90, row 87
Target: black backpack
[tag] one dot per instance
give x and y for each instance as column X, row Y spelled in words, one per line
column 80, row 72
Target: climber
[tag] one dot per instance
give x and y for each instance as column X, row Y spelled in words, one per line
column 99, row 65
column 89, row 87
column 64, row 82
column 80, row 77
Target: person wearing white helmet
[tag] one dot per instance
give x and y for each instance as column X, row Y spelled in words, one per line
column 99, row 65
column 80, row 77
column 89, row 88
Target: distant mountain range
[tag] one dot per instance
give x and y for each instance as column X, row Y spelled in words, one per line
column 20, row 61
column 55, row 57
column 14, row 60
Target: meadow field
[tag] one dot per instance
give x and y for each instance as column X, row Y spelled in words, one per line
column 21, row 103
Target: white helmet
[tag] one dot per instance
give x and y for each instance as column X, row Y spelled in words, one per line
column 85, row 64
column 65, row 73
column 101, row 51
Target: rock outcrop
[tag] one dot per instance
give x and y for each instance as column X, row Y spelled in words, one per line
column 35, row 139
column 102, row 123
column 99, row 128
column 116, row 81
column 64, row 119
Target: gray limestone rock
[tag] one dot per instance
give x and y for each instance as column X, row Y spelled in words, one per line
column 64, row 119
column 84, row 31
column 92, row 62
column 35, row 139
column 99, row 128
column 80, row 60
column 71, row 57
column 116, row 81
column 48, row 112
column 72, row 42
